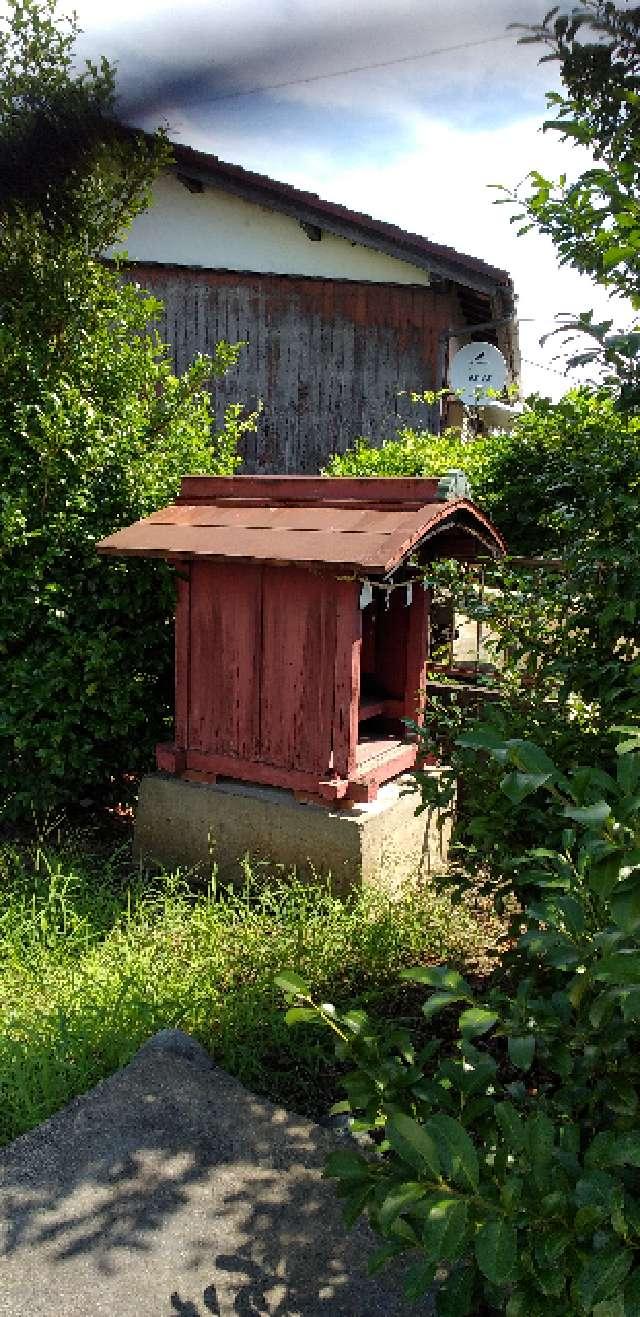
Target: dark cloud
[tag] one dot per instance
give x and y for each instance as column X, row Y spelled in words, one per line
column 196, row 59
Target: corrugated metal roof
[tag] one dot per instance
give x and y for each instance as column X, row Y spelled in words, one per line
column 350, row 538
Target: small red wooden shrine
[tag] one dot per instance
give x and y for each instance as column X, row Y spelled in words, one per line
column 302, row 623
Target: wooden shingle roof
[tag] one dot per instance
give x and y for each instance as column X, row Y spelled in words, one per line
column 363, row 526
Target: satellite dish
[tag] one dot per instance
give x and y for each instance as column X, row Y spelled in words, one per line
column 475, row 370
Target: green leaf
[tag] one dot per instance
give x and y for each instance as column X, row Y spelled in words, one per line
column 632, row 1295
column 600, row 1151
column 413, row 1143
column 519, row 1305
column 627, row 747
column 496, row 1248
column 625, row 1150
column 586, row 1220
column 482, row 738
column 517, row 786
column 456, row 1296
column 403, row 1197
column 444, row 1233
column 621, row 1095
column 386, row 1253
column 302, row 1015
column 511, row 1191
column 589, row 815
column 599, row 1190
column 630, row 1003
column 530, row 758
column 539, row 1133
column 440, row 1000
column 614, row 256
column 603, row 875
column 476, row 1021
column 437, row 976
column 355, row 1021
column 403, row 1230
column 521, row 1051
column 345, row 1164
column 625, row 904
column 457, row 1154
column 292, row 983
column 601, row 1008
column 511, row 1125
column 550, row 1246
column 611, row 1308
column 620, row 967
column 602, row 1276
column 418, row 1280
column 355, row 1203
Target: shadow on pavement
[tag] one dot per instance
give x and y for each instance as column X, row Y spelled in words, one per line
column 169, row 1189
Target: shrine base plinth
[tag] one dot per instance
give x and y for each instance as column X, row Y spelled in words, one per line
column 198, row 825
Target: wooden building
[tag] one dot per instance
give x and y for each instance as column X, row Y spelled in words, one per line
column 302, row 623
column 343, row 316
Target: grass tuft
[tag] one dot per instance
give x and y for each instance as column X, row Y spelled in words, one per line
column 94, row 959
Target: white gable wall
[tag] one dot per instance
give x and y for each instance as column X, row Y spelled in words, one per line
column 216, row 230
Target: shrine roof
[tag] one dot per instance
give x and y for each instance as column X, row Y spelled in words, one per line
column 363, row 525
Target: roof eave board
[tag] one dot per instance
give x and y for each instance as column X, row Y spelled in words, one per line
column 304, row 212
column 379, row 554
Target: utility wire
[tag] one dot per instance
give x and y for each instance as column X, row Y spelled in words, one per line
column 541, row 365
column 360, row 68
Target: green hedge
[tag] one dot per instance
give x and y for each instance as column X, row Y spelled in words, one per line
column 95, row 432
column 557, row 468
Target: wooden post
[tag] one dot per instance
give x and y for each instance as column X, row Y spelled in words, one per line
column 416, row 668
column 182, row 654
column 172, row 758
column 346, row 678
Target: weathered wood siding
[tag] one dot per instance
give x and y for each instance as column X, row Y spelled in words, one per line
column 328, row 359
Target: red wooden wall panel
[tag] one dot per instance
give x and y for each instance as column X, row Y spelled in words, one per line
column 346, row 677
column 225, row 648
column 417, row 649
column 273, row 677
column 298, row 643
column 182, row 649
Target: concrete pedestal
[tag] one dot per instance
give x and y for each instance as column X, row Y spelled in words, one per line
column 195, row 825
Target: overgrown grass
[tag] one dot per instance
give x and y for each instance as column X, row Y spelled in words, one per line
column 94, row 959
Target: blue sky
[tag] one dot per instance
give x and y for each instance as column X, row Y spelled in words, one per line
column 416, row 142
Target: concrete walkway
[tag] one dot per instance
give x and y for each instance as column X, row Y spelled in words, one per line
column 169, row 1189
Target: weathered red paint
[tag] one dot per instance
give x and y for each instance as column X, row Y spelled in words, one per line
column 279, row 672
column 402, row 492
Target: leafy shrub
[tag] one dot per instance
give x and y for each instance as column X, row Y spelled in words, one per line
column 567, row 643
column 564, row 483
column 592, row 216
column 512, row 1159
column 564, row 467
column 95, row 432
column 415, row 453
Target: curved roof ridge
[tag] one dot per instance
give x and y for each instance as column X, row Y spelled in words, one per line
column 362, row 537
